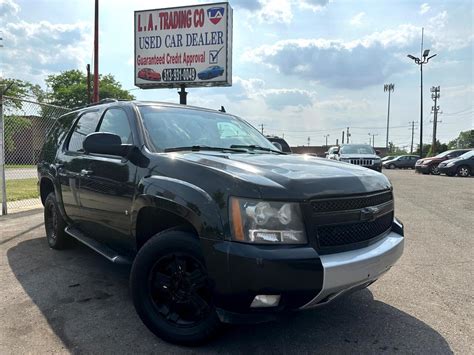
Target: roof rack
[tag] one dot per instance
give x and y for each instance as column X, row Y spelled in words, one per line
column 103, row 101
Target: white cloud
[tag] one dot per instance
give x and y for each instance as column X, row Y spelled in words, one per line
column 357, row 63
column 314, row 5
column 278, row 11
column 424, row 8
column 33, row 50
column 357, row 19
column 8, row 9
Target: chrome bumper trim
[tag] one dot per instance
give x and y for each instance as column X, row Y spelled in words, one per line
column 357, row 268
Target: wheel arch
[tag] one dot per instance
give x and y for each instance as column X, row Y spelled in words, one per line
column 46, row 186
column 171, row 203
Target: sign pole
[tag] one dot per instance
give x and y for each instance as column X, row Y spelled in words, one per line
column 182, row 95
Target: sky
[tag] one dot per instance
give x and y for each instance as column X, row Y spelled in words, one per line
column 302, row 68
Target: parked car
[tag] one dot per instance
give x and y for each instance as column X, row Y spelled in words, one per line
column 461, row 166
column 149, row 74
column 211, row 72
column 331, row 153
column 218, row 226
column 401, row 162
column 388, row 157
column 285, row 147
column 359, row 154
column 430, row 165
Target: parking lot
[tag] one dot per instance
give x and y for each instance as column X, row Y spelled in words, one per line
column 76, row 301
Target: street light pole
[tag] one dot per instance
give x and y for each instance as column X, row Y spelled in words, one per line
column 389, row 88
column 424, row 59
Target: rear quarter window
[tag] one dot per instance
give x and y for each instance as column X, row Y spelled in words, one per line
column 86, row 124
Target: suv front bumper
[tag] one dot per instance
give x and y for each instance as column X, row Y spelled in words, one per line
column 357, row 268
column 302, row 277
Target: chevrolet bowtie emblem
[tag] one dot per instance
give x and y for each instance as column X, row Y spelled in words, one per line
column 368, row 214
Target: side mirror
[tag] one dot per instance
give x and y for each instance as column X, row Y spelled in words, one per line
column 105, row 143
column 449, row 156
column 278, row 146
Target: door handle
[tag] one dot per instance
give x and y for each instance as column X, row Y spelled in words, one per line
column 86, row 172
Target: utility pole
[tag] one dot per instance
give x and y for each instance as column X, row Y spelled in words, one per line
column 96, row 52
column 326, row 136
column 389, row 88
column 373, row 138
column 435, row 94
column 412, row 135
column 348, row 135
column 342, row 140
column 261, row 127
column 309, row 140
column 424, row 59
column 88, row 69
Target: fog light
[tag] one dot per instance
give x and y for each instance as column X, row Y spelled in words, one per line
column 265, row 301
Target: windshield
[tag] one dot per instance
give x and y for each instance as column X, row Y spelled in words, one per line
column 467, row 155
column 170, row 127
column 443, row 154
column 357, row 149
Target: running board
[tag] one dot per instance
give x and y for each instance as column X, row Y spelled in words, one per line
column 100, row 248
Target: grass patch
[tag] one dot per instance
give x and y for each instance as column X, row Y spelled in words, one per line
column 22, row 189
column 20, row 166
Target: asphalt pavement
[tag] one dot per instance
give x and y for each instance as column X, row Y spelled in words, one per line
column 76, row 301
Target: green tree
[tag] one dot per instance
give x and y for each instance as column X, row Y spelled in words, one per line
column 464, row 140
column 394, row 150
column 69, row 88
column 18, row 89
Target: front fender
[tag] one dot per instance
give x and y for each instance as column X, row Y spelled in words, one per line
column 183, row 199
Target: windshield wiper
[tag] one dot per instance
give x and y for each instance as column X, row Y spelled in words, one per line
column 197, row 148
column 256, row 147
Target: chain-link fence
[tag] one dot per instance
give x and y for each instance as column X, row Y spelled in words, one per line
column 24, row 125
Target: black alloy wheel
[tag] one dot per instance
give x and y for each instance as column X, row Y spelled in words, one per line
column 463, row 171
column 54, row 224
column 180, row 290
column 171, row 290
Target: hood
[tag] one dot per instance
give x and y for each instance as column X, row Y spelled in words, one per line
column 447, row 161
column 363, row 156
column 291, row 176
column 431, row 159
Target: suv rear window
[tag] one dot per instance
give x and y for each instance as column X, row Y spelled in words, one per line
column 87, row 124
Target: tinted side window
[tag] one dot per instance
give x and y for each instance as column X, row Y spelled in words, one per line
column 86, row 124
column 115, row 121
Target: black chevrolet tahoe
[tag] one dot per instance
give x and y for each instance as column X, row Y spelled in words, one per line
column 218, row 225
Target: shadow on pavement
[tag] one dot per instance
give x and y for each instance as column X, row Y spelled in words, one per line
column 85, row 300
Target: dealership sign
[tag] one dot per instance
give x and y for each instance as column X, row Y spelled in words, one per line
column 189, row 45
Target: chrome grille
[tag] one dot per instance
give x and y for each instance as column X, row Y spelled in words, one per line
column 362, row 162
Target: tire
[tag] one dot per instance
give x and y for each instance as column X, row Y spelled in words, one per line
column 463, row 171
column 392, row 166
column 434, row 169
column 171, row 291
column 54, row 224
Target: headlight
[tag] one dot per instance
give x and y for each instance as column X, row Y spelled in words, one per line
column 266, row 222
column 426, row 162
column 451, row 163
